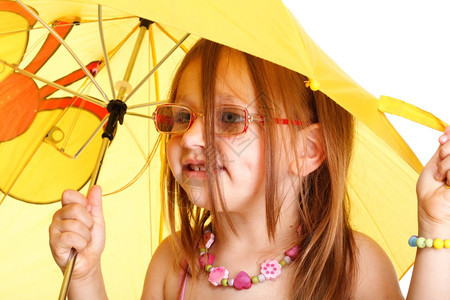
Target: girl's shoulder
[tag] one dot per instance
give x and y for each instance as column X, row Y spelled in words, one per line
column 162, row 273
column 376, row 277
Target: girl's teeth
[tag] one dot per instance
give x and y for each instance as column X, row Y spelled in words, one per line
column 198, row 168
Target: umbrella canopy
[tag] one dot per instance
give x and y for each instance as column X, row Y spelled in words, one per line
column 45, row 151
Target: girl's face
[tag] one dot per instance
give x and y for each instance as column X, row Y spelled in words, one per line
column 241, row 168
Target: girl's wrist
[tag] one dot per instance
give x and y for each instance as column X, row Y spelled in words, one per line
column 434, row 232
column 92, row 283
column 433, row 229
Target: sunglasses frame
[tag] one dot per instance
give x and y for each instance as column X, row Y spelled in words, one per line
column 248, row 118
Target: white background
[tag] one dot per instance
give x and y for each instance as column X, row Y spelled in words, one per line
column 396, row 48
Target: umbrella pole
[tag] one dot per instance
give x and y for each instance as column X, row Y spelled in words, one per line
column 117, row 109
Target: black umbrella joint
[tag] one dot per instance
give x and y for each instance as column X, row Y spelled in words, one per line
column 117, row 110
column 145, row 23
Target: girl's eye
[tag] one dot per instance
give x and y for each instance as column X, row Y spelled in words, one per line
column 230, row 117
column 182, row 117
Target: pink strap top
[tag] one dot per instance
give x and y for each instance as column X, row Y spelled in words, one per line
column 182, row 281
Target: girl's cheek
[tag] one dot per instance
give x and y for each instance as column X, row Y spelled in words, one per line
column 173, row 144
column 172, row 154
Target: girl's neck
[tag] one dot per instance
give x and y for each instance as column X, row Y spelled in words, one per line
column 247, row 250
column 252, row 234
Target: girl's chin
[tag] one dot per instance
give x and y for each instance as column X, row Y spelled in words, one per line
column 198, row 196
column 200, row 203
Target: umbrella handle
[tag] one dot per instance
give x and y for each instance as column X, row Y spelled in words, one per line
column 117, row 109
column 73, row 253
column 68, row 274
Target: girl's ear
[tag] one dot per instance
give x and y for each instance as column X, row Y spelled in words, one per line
column 313, row 153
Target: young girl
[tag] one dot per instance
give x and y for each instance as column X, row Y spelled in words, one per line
column 255, row 182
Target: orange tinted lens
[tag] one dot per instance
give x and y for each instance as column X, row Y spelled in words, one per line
column 172, row 119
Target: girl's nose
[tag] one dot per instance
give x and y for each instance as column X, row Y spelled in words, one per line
column 194, row 137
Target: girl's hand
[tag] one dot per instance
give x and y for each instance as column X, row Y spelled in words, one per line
column 79, row 224
column 433, row 191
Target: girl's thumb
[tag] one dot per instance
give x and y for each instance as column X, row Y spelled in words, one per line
column 94, row 198
column 429, row 176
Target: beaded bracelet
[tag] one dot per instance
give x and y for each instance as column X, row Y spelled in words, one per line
column 421, row 242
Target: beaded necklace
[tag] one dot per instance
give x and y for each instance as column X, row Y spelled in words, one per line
column 270, row 269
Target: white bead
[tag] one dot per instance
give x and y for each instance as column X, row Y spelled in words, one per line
column 230, row 281
column 261, row 277
column 287, row 259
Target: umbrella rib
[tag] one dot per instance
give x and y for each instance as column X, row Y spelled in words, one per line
column 139, row 174
column 139, row 115
column 81, row 22
column 16, row 176
column 82, row 66
column 154, row 60
column 105, row 54
column 145, row 105
column 157, row 66
column 53, row 84
column 22, row 167
column 91, row 137
column 163, row 30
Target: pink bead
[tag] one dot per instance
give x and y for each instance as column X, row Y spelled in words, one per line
column 293, row 252
column 299, row 230
column 271, row 269
column 203, row 262
column 217, row 274
column 208, row 239
column 242, row 281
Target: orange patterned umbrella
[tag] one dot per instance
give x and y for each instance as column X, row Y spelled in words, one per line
column 63, row 62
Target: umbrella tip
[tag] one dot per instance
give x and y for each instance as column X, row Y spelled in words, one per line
column 145, row 23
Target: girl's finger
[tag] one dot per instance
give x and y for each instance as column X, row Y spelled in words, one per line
column 446, row 136
column 73, row 197
column 69, row 240
column 430, row 175
column 94, row 198
column 444, row 150
column 72, row 226
column 75, row 212
column 443, row 167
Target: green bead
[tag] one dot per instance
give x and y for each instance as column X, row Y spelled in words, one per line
column 283, row 263
column 224, row 282
column 207, row 267
column 421, row 242
column 203, row 250
column 255, row 279
column 429, row 243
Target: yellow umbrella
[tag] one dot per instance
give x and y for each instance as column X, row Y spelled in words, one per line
column 50, row 143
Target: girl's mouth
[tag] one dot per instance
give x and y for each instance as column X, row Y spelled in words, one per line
column 196, row 168
column 201, row 167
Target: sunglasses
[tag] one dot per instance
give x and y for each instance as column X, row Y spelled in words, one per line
column 229, row 120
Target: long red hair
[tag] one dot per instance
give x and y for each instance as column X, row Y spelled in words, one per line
column 326, row 267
